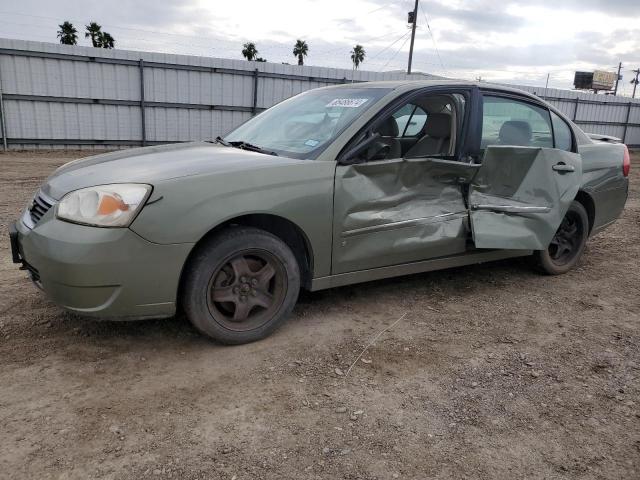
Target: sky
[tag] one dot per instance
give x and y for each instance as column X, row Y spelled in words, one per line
column 509, row 41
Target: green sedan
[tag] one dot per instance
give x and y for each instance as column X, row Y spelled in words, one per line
column 334, row 186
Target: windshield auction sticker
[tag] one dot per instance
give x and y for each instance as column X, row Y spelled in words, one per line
column 347, row 102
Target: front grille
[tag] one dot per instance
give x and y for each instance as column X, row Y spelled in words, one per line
column 38, row 208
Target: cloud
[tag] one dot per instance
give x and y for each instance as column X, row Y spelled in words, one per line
column 610, row 7
column 484, row 17
column 515, row 38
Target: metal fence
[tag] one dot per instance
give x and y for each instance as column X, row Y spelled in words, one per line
column 601, row 114
column 56, row 96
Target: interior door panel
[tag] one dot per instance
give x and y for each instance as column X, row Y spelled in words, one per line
column 407, row 142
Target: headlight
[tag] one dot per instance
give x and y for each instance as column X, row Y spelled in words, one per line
column 104, row 205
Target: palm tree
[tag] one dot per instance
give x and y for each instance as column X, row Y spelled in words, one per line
column 300, row 50
column 67, row 34
column 357, row 56
column 249, row 51
column 94, row 32
column 105, row 40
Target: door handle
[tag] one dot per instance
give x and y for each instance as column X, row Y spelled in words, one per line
column 511, row 208
column 563, row 167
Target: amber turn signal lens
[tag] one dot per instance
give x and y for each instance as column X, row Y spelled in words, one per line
column 111, row 204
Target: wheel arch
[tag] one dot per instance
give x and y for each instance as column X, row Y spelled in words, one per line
column 286, row 230
column 589, row 205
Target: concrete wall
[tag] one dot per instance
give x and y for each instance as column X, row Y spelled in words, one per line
column 57, row 96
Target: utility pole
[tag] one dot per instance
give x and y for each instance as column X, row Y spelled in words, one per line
column 413, row 19
column 635, row 81
column 546, row 85
column 615, row 90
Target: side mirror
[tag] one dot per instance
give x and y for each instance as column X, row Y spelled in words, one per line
column 353, row 155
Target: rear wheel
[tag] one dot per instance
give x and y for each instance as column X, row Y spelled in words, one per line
column 568, row 243
column 241, row 285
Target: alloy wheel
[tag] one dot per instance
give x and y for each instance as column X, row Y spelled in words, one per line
column 565, row 244
column 247, row 290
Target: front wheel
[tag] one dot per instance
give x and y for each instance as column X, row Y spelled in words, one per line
column 568, row 243
column 240, row 285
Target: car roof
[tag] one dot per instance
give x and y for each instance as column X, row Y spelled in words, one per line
column 406, row 85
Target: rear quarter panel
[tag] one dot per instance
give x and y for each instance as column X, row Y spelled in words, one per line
column 603, row 180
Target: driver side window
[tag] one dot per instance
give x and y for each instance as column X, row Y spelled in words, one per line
column 424, row 127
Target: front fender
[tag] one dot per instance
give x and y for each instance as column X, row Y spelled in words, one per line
column 183, row 210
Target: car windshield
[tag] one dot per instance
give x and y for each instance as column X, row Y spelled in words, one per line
column 303, row 126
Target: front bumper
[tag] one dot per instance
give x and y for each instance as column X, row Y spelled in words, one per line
column 111, row 273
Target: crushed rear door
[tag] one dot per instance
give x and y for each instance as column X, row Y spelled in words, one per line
column 520, row 195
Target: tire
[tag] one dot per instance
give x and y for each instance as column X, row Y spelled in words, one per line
column 240, row 285
column 568, row 243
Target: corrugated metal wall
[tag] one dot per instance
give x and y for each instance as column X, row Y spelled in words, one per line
column 57, row 96
column 602, row 114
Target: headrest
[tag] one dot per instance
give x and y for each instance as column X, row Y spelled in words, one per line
column 388, row 128
column 515, row 132
column 438, row 125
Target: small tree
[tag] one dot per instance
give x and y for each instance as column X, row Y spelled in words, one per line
column 68, row 34
column 249, row 51
column 94, row 32
column 260, row 59
column 357, row 56
column 300, row 50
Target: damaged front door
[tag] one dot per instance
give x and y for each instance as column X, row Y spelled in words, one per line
column 395, row 211
column 520, row 196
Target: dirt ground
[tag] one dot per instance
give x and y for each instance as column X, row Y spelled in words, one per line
column 492, row 371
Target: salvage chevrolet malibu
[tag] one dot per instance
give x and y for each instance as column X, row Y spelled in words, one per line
column 334, row 186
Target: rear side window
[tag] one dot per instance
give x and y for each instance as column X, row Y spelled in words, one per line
column 561, row 133
column 507, row 121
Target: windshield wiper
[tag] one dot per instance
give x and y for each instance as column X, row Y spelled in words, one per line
column 252, row 148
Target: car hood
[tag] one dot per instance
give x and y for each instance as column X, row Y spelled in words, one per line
column 153, row 164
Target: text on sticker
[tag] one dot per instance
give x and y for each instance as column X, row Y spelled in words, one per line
column 347, row 102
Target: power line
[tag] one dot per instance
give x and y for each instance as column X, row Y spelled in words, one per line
column 389, row 46
column 231, row 48
column 433, row 39
column 396, row 54
column 386, row 35
column 216, row 45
